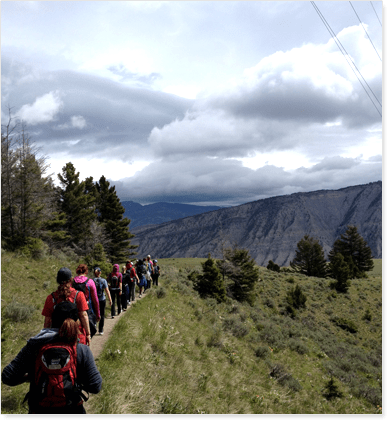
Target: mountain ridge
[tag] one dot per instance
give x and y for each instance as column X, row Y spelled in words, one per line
column 157, row 213
column 271, row 228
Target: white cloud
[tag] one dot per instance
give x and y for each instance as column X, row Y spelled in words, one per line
column 43, row 110
column 76, row 122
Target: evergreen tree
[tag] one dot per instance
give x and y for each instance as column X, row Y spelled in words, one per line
column 243, row 274
column 273, row 266
column 209, row 283
column 339, row 270
column 309, row 258
column 355, row 250
column 110, row 214
column 26, row 191
column 78, row 207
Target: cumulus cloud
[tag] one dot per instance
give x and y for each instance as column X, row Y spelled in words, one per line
column 44, row 109
column 307, row 84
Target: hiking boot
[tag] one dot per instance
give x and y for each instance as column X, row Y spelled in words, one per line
column 113, row 317
column 101, row 333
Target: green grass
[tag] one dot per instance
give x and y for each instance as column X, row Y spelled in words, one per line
column 182, row 354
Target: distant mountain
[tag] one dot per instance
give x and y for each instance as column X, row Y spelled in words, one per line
column 271, row 228
column 158, row 213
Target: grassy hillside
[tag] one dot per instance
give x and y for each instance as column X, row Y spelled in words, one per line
column 176, row 353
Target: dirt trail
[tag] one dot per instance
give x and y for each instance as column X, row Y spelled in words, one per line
column 98, row 342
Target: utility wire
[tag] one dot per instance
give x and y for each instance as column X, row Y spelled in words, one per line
column 376, row 14
column 347, row 57
column 365, row 30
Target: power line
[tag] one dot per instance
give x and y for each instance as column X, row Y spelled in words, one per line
column 376, row 14
column 347, row 57
column 365, row 30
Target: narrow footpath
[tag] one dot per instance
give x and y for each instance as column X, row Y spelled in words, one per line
column 98, row 342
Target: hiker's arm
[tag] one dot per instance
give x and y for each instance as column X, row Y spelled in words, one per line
column 108, row 295
column 87, row 372
column 84, row 319
column 16, row 372
column 47, row 321
column 96, row 303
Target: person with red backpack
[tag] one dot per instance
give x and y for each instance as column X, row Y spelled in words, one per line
column 88, row 287
column 57, row 367
column 65, row 292
column 115, row 281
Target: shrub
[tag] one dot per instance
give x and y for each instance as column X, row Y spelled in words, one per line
column 367, row 315
column 298, row 346
column 295, row 298
column 18, row 312
column 285, row 379
column 262, row 352
column 237, row 328
column 160, row 292
column 273, row 266
column 331, row 390
column 345, row 324
column 35, row 248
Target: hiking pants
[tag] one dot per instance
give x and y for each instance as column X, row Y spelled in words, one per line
column 124, row 297
column 115, row 294
column 155, row 279
column 132, row 287
column 102, row 315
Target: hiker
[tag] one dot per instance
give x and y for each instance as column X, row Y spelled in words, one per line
column 156, row 273
column 150, row 271
column 88, row 287
column 102, row 289
column 65, row 292
column 125, row 288
column 53, row 389
column 141, row 271
column 134, row 279
column 115, row 285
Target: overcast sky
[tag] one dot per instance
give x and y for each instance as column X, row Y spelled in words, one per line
column 200, row 102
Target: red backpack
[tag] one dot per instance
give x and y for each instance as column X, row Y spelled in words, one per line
column 55, row 382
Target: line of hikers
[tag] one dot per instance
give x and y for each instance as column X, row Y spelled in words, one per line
column 58, row 362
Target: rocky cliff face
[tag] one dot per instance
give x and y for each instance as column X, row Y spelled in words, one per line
column 271, row 228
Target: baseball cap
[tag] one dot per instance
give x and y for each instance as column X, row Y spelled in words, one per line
column 63, row 275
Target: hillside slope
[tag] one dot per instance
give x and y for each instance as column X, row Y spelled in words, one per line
column 271, row 228
column 157, row 213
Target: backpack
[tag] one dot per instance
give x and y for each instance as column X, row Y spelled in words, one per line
column 81, row 286
column 99, row 287
column 55, row 377
column 156, row 270
column 54, row 382
column 114, row 282
column 127, row 278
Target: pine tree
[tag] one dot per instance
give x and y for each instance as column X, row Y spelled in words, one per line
column 209, row 283
column 243, row 274
column 78, row 207
column 110, row 214
column 26, row 191
column 309, row 258
column 355, row 249
column 339, row 270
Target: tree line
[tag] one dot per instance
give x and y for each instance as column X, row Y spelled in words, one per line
column 81, row 215
column 349, row 258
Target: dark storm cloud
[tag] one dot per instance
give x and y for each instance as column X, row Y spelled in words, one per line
column 229, row 182
column 89, row 114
